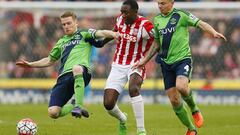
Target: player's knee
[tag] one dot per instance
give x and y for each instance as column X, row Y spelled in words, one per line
column 108, row 105
column 77, row 70
column 53, row 113
column 134, row 90
column 175, row 100
column 181, row 87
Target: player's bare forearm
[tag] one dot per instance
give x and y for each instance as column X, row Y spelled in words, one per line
column 152, row 51
column 45, row 62
column 208, row 28
column 106, row 40
column 105, row 34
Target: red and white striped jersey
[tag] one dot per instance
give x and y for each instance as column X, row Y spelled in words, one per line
column 134, row 40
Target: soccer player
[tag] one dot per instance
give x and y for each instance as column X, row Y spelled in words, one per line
column 172, row 44
column 135, row 39
column 74, row 73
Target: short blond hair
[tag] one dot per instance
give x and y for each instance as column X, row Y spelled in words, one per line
column 69, row 14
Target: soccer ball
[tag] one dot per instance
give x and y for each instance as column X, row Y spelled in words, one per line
column 26, row 127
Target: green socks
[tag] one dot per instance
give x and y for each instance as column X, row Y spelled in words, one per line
column 190, row 102
column 66, row 109
column 182, row 114
column 79, row 90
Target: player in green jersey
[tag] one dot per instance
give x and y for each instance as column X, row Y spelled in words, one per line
column 73, row 50
column 174, row 56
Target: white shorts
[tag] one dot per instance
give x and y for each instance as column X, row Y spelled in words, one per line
column 120, row 75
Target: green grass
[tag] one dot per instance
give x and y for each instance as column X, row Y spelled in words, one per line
column 159, row 119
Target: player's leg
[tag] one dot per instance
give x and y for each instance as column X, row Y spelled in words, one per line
column 179, row 108
column 60, row 95
column 67, row 108
column 135, row 83
column 110, row 104
column 169, row 77
column 114, row 85
column 78, row 84
column 183, row 73
column 81, row 79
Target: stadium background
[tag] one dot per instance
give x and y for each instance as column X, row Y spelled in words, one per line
column 30, row 29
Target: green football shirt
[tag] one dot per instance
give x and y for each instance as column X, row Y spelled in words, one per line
column 172, row 33
column 72, row 50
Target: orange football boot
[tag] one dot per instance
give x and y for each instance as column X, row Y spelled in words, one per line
column 191, row 132
column 198, row 118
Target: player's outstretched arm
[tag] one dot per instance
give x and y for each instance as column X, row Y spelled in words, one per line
column 45, row 62
column 152, row 51
column 106, row 34
column 208, row 28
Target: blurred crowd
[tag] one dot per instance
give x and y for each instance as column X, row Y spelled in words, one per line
column 20, row 39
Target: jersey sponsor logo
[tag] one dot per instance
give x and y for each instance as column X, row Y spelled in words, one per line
column 167, row 30
column 73, row 42
column 128, row 37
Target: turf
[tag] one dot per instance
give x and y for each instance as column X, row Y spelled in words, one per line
column 159, row 119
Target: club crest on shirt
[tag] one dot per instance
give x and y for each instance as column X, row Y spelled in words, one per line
column 173, row 21
column 135, row 31
column 77, row 37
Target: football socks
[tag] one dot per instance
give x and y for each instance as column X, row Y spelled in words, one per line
column 190, row 102
column 138, row 109
column 117, row 113
column 66, row 109
column 79, row 90
column 182, row 114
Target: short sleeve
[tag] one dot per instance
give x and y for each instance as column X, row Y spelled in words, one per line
column 55, row 53
column 89, row 34
column 148, row 31
column 115, row 27
column 192, row 20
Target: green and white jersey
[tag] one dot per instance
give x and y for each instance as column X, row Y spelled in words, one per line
column 172, row 33
column 72, row 50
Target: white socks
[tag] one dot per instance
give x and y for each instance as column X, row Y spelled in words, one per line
column 117, row 113
column 138, row 109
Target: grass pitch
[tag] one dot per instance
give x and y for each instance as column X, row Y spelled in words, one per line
column 159, row 120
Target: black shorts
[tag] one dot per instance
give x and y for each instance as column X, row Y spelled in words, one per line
column 64, row 88
column 170, row 72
